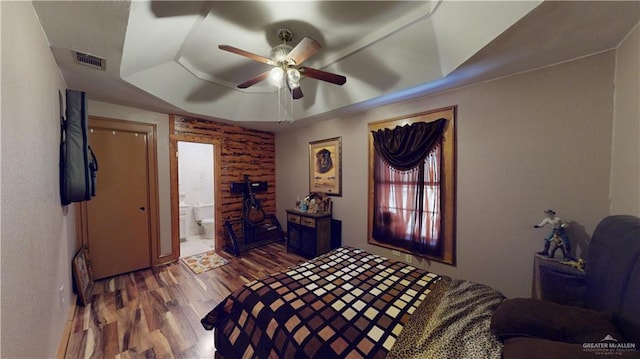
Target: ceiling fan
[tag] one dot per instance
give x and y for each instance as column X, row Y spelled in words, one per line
column 286, row 61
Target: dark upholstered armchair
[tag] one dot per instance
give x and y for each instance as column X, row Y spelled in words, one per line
column 610, row 321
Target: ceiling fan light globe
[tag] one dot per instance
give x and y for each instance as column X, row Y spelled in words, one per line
column 293, row 84
column 276, row 75
column 293, row 75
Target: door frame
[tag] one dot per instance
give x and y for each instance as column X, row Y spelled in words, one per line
column 152, row 178
column 175, row 195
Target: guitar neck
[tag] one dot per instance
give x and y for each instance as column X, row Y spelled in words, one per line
column 252, row 197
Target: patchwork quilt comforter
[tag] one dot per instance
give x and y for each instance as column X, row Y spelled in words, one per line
column 348, row 303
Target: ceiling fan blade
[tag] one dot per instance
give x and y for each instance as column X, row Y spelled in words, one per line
column 250, row 82
column 304, row 50
column 296, row 93
column 323, row 75
column 248, row 54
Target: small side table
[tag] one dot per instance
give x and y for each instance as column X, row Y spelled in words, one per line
column 308, row 234
column 558, row 282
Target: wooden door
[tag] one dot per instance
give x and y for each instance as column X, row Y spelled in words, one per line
column 118, row 217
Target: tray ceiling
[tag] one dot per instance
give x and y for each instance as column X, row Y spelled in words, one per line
column 164, row 56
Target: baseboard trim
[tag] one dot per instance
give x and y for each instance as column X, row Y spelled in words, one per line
column 66, row 333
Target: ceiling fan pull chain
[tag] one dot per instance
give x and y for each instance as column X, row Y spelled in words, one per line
column 291, row 103
column 279, row 107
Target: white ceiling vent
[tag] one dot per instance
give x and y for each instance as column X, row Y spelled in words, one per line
column 94, row 62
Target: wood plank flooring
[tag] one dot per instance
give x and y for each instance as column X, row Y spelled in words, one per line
column 155, row 313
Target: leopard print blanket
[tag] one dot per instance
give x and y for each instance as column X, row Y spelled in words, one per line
column 452, row 322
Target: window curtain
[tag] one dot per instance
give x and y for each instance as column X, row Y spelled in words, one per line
column 407, row 186
column 405, row 147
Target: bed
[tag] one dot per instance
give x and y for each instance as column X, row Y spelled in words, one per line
column 349, row 303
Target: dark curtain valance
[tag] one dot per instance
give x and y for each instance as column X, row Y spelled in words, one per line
column 404, row 147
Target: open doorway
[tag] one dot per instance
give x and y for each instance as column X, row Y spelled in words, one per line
column 196, row 189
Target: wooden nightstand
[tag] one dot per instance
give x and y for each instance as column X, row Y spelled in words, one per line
column 308, row 234
column 558, row 282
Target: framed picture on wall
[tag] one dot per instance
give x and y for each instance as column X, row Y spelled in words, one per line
column 82, row 276
column 325, row 166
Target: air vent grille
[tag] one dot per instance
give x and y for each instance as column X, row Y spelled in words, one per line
column 95, row 62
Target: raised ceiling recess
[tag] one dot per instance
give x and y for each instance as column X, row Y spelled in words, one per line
column 164, row 55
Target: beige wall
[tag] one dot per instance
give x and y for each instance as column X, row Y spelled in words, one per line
column 38, row 234
column 625, row 166
column 525, row 143
column 161, row 121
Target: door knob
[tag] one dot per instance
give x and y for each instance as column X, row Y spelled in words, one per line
column 141, row 209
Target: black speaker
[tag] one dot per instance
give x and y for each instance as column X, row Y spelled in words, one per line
column 241, row 187
column 336, row 233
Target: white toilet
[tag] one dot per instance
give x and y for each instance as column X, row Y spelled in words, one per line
column 203, row 214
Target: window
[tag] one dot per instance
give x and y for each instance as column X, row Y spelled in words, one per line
column 399, row 218
column 411, row 192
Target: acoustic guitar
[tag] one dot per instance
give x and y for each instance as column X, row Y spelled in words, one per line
column 253, row 211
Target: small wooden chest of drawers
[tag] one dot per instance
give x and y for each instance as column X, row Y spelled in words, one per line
column 308, row 234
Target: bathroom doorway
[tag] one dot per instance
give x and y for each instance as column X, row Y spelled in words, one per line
column 196, row 197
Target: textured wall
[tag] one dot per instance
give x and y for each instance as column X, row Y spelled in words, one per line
column 525, row 143
column 38, row 234
column 625, row 168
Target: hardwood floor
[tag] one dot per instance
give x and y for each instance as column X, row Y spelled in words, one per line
column 155, row 313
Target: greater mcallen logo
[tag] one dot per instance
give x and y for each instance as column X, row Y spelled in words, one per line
column 608, row 346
